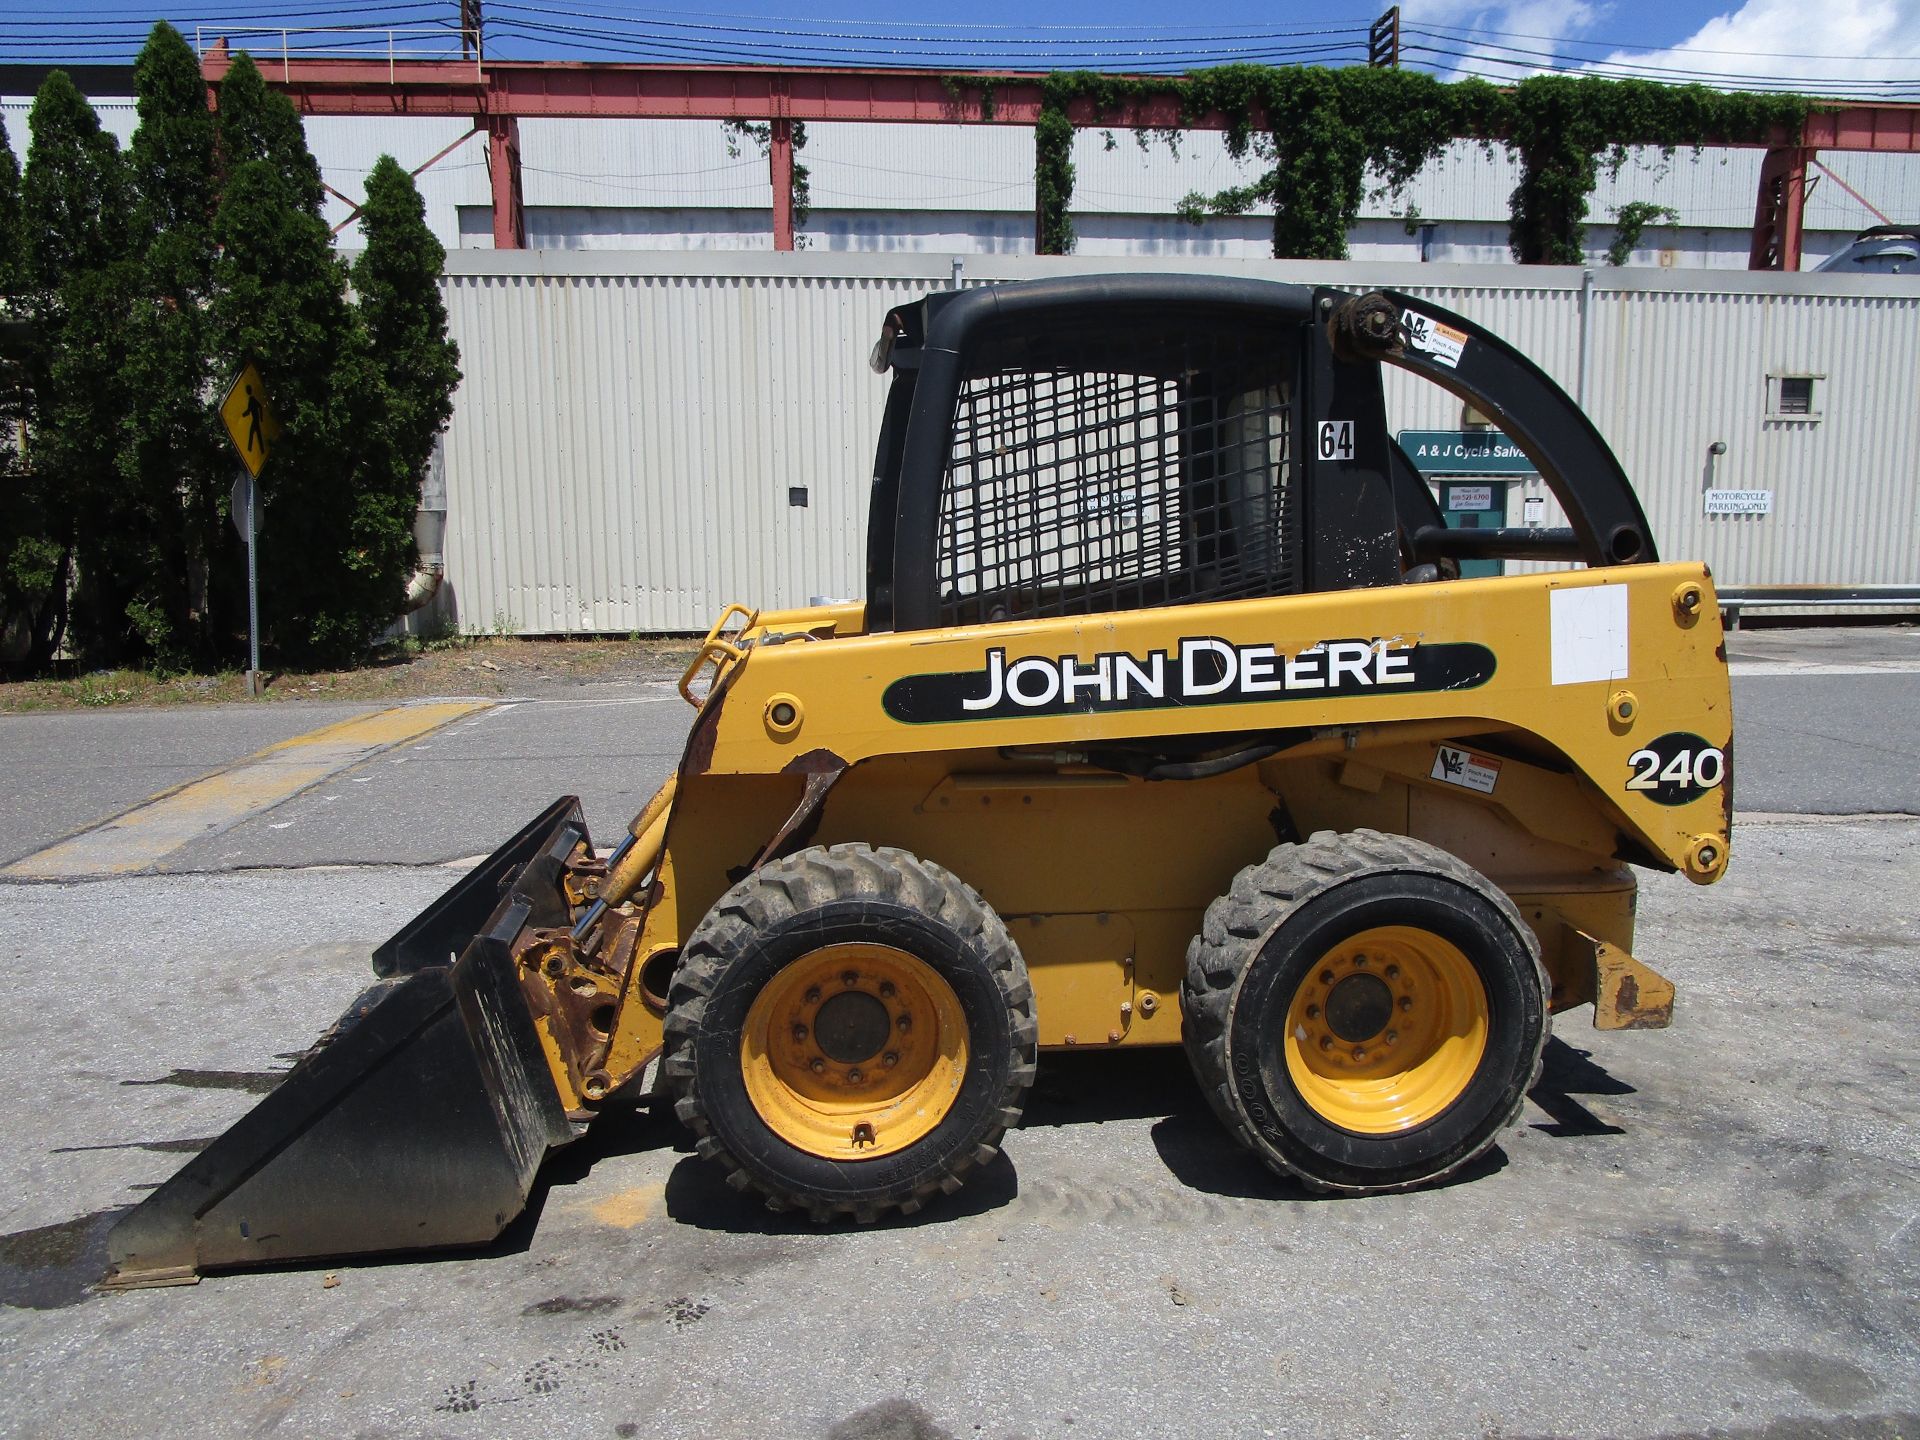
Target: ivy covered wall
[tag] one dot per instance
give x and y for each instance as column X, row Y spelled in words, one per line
column 1322, row 131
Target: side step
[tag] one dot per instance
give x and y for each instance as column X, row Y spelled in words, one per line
column 417, row 1121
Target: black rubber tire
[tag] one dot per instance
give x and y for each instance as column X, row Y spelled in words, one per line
column 1260, row 940
column 835, row 895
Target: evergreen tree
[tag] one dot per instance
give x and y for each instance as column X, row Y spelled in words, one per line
column 18, row 526
column 258, row 124
column 76, row 280
column 398, row 281
column 334, row 562
column 175, row 472
column 10, row 237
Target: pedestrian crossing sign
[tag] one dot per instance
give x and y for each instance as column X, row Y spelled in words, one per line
column 248, row 415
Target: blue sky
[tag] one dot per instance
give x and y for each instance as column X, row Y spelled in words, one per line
column 1863, row 46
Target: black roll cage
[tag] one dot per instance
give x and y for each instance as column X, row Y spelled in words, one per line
column 934, row 345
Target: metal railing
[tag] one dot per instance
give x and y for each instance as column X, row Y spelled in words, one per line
column 1736, row 598
column 343, row 42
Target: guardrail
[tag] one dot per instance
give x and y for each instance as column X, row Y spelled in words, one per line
column 1736, row 598
column 287, row 43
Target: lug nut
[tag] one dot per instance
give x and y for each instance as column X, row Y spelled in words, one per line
column 849, row 977
column 1406, row 1002
column 1392, row 1035
column 1313, row 1012
column 890, row 1059
column 818, row 1066
column 1393, row 972
column 886, row 989
column 1359, row 962
column 855, row 1075
column 905, row 1022
column 799, row 1032
column 813, row 995
column 1326, row 977
column 1358, row 1053
column 1326, row 1042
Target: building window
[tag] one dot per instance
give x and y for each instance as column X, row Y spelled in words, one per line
column 1794, row 397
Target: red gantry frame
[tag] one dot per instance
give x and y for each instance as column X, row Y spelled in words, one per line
column 497, row 95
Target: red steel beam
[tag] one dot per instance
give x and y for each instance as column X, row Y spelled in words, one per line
column 1891, row 129
column 1780, row 209
column 503, row 169
column 499, row 93
column 780, row 172
column 535, row 89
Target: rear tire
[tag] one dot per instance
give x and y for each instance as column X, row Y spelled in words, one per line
column 850, row 1030
column 1364, row 1012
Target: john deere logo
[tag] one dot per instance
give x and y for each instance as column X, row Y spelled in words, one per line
column 1200, row 670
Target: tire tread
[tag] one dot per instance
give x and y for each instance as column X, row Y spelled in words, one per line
column 790, row 887
column 1237, row 925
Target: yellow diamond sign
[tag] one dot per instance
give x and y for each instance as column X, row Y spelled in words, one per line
column 249, row 418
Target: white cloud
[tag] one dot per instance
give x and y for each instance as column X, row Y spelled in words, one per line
column 1808, row 46
column 1788, row 44
column 1509, row 40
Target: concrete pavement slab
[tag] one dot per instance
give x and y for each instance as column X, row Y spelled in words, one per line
column 1826, row 745
column 214, row 803
column 463, row 790
column 68, row 770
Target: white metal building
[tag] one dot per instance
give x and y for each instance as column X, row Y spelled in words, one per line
column 968, row 189
column 643, row 438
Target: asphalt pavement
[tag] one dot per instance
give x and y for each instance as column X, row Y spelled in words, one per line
column 1823, row 725
column 1708, row 1232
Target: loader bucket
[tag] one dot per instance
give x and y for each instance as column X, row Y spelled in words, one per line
column 418, row 1120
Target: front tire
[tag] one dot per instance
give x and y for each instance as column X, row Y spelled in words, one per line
column 850, row 1030
column 1364, row 1012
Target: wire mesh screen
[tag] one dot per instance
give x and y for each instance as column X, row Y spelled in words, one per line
column 1074, row 487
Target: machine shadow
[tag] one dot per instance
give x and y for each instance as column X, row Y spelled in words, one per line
column 1071, row 1088
column 1566, row 1071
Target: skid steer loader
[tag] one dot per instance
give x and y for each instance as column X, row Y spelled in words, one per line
column 1166, row 719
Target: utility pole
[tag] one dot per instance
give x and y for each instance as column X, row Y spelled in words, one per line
column 1383, row 41
column 470, row 29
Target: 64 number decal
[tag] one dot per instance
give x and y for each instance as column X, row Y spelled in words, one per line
column 1676, row 768
column 1336, row 440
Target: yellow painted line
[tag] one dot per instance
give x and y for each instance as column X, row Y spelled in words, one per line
column 150, row 832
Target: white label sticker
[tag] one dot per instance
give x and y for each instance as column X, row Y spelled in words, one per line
column 1336, row 440
column 1463, row 767
column 1443, row 342
column 1588, row 628
column 1739, row 502
column 1470, row 497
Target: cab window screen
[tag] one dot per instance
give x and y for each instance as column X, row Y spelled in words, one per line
column 1077, row 484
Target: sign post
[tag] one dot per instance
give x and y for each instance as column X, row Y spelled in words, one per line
column 248, row 416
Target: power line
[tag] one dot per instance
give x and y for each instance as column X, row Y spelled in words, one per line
column 608, row 28
column 1640, row 46
column 1534, row 61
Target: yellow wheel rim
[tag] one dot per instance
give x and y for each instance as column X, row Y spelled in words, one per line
column 854, row 1051
column 1387, row 1030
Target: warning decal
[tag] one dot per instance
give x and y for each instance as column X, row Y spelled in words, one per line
column 1464, row 768
column 1442, row 342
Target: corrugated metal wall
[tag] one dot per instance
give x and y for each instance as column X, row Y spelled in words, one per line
column 636, row 433
column 631, row 439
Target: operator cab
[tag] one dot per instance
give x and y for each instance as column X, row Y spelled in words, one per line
column 1108, row 443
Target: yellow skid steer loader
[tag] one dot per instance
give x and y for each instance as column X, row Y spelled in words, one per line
column 1167, row 719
